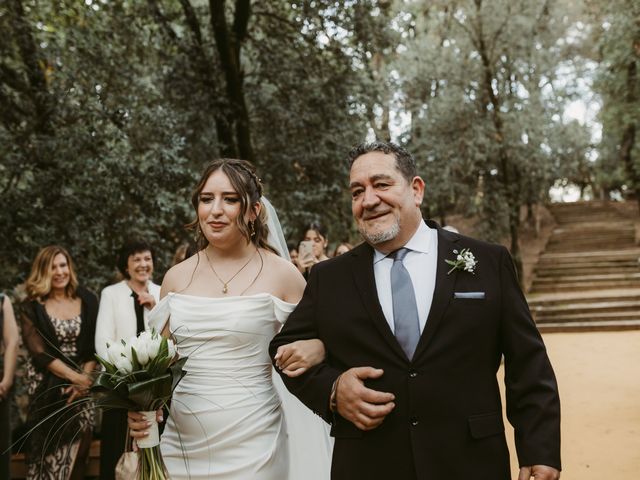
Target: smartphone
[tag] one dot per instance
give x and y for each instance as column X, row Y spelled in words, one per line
column 305, row 250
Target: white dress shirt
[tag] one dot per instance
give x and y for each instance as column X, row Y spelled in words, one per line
column 421, row 263
column 117, row 315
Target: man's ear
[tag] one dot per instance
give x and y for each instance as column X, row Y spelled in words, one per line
column 417, row 185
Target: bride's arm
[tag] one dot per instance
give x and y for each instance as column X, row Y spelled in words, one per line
column 138, row 424
column 296, row 358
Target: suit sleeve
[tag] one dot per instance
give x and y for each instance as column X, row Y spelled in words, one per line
column 533, row 403
column 105, row 324
column 313, row 388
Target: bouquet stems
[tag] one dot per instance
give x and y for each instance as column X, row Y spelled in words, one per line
column 151, row 466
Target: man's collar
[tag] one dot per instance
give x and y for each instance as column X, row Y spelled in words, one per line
column 420, row 242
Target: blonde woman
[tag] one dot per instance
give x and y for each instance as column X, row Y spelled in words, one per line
column 9, row 342
column 58, row 326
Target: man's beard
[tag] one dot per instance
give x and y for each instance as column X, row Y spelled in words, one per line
column 380, row 237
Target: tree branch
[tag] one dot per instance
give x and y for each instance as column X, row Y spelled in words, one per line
column 241, row 20
column 163, row 21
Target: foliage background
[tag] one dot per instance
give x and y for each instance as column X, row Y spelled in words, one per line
column 111, row 108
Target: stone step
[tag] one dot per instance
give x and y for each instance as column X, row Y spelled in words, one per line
column 588, row 278
column 549, row 311
column 594, row 277
column 581, row 286
column 575, row 272
column 578, row 298
column 595, row 247
column 580, row 257
column 600, row 317
column 571, row 221
column 604, row 326
column 596, row 230
column 602, row 263
column 578, row 238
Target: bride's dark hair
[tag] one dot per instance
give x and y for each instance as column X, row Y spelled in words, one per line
column 244, row 180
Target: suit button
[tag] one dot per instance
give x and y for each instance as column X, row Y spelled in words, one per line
column 414, row 421
column 413, row 374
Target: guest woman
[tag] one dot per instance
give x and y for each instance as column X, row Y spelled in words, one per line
column 9, row 341
column 58, row 321
column 315, row 233
column 123, row 312
column 342, row 248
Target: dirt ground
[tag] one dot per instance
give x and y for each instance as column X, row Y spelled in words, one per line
column 599, row 380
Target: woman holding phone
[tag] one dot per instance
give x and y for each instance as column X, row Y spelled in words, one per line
column 313, row 249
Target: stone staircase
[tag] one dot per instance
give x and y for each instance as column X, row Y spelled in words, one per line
column 588, row 277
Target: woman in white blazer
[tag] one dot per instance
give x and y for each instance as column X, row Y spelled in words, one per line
column 123, row 312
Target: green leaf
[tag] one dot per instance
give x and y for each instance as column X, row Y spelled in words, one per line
column 109, row 367
column 134, row 360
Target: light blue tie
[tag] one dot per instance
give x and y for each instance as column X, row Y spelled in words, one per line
column 405, row 309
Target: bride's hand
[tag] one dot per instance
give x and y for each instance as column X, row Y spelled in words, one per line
column 296, row 358
column 139, row 426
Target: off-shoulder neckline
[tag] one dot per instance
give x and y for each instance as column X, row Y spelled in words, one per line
column 231, row 297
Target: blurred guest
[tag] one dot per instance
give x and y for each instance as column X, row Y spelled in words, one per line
column 343, row 247
column 313, row 249
column 184, row 251
column 58, row 321
column 293, row 252
column 9, row 340
column 123, row 312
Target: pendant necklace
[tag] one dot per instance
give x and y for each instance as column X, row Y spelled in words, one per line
column 225, row 285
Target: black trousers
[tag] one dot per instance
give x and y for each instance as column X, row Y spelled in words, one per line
column 5, row 438
column 112, row 441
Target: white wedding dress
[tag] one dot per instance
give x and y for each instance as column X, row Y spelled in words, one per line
column 226, row 419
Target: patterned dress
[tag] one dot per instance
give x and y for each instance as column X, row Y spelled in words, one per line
column 57, row 458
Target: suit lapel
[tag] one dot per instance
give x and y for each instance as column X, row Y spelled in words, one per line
column 444, row 288
column 365, row 282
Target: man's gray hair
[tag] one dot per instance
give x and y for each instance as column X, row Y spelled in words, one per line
column 405, row 162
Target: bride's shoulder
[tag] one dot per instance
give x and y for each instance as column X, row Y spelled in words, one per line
column 285, row 274
column 179, row 275
column 277, row 264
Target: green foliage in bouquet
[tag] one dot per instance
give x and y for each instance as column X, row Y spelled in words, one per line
column 146, row 385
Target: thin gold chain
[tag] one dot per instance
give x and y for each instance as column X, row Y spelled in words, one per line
column 256, row 277
column 225, row 285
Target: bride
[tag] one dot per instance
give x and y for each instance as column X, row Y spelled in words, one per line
column 223, row 306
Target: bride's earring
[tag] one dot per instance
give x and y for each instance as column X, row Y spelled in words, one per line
column 252, row 230
column 198, row 235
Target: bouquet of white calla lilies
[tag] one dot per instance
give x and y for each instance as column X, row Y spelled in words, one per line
column 141, row 374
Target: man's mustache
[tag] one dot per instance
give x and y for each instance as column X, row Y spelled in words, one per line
column 374, row 214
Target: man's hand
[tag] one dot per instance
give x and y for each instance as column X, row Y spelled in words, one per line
column 363, row 407
column 539, row 472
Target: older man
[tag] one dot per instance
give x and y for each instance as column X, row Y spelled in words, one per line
column 415, row 322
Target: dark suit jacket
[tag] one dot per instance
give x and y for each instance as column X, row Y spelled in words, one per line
column 447, row 423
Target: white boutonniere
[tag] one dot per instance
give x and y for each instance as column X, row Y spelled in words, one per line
column 464, row 261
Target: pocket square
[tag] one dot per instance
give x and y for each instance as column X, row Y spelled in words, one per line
column 471, row 295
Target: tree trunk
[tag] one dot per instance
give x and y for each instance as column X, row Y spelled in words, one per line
column 37, row 82
column 509, row 183
column 226, row 141
column 629, row 134
column 628, row 140
column 228, row 44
